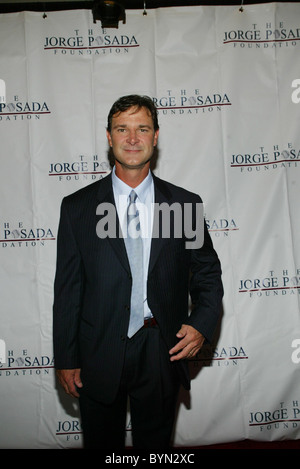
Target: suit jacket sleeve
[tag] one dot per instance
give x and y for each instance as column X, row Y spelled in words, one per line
column 206, row 289
column 68, row 288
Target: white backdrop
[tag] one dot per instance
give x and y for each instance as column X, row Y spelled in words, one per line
column 227, row 87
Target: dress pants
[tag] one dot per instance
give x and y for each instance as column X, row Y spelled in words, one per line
column 150, row 381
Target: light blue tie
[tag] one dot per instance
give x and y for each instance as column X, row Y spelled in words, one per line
column 134, row 246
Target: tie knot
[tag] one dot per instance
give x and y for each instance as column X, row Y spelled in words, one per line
column 132, row 196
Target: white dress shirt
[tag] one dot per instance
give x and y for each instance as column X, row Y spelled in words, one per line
column 145, row 206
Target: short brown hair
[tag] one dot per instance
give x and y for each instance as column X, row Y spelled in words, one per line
column 126, row 102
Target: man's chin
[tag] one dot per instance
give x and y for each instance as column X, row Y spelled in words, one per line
column 133, row 165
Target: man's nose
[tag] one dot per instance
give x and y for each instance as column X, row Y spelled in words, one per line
column 132, row 137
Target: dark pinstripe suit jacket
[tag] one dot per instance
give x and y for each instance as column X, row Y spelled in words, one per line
column 93, row 286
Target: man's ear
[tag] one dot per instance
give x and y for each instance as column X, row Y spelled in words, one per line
column 109, row 138
column 155, row 138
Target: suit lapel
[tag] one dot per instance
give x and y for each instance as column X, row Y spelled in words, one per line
column 161, row 194
column 105, row 195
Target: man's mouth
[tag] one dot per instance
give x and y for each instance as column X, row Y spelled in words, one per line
column 132, row 149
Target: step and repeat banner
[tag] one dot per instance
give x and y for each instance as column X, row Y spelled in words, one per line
column 227, row 86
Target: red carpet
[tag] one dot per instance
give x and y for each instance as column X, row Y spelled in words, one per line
column 249, row 444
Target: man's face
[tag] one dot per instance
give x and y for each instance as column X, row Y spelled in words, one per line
column 132, row 137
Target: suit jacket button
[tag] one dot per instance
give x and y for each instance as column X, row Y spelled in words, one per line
column 123, row 337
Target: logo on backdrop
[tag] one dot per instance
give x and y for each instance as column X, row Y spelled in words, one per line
column 221, row 227
column 20, row 109
column 71, row 430
column 23, row 363
column 210, row 356
column 265, row 159
column 285, row 417
column 17, row 235
column 285, row 283
column 82, row 168
column 194, row 101
column 267, row 36
column 91, row 42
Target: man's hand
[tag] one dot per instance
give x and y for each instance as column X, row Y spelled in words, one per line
column 70, row 379
column 189, row 345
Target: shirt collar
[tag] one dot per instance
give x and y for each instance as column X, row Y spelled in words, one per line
column 121, row 188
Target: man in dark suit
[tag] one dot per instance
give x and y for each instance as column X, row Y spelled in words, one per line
column 97, row 358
